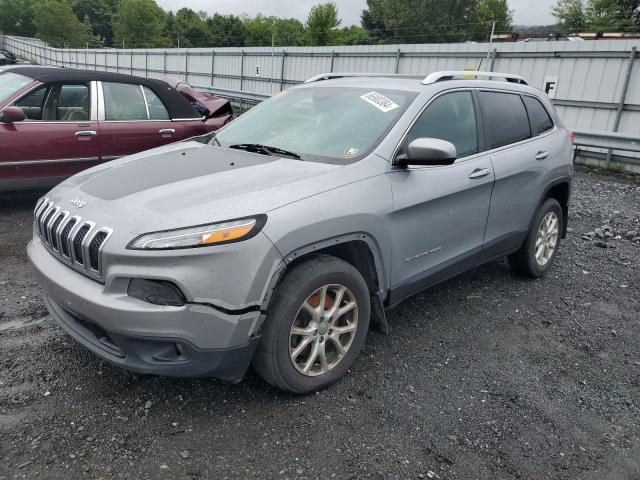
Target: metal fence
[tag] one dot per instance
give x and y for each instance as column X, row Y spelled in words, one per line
column 595, row 85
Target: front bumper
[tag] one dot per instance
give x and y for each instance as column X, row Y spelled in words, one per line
column 193, row 340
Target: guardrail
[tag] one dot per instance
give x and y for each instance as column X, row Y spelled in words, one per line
column 627, row 142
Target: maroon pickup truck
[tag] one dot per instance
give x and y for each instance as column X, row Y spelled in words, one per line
column 55, row 122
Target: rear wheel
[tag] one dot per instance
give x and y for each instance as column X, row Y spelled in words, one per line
column 315, row 327
column 539, row 250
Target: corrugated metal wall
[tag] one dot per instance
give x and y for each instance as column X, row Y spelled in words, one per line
column 590, row 74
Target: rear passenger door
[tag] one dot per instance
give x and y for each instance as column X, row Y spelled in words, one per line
column 440, row 212
column 132, row 119
column 520, row 161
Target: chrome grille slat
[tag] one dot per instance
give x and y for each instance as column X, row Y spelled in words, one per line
column 59, row 230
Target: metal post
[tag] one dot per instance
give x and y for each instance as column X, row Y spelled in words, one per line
column 284, row 56
column 333, row 57
column 131, row 62
column 241, row 74
column 186, row 66
column 623, row 97
column 146, row 63
column 494, row 54
column 213, row 66
column 398, row 62
column 118, row 59
column 165, row 62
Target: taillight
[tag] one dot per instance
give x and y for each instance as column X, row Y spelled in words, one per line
column 571, row 136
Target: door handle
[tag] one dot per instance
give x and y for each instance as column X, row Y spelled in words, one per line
column 86, row 133
column 479, row 173
column 167, row 131
column 542, row 155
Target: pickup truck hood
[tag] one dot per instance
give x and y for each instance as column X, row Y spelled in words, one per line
column 191, row 183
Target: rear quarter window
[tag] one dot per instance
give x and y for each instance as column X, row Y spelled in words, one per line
column 539, row 117
column 504, row 117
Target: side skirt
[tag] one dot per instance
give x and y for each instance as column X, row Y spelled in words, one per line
column 495, row 249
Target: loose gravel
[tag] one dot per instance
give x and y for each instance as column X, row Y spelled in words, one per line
column 485, row 376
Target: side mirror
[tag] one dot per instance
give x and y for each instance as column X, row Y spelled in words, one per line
column 428, row 151
column 12, row 114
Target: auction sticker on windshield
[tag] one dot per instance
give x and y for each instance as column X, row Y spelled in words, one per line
column 379, row 101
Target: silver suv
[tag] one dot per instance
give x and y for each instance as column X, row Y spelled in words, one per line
column 280, row 240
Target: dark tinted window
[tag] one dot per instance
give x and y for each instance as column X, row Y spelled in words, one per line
column 450, row 117
column 505, row 118
column 538, row 115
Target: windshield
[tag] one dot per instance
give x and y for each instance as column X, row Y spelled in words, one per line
column 320, row 123
column 10, row 83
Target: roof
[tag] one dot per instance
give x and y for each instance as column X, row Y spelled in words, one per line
column 57, row 74
column 178, row 106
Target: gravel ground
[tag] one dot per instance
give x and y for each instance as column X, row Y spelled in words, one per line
column 485, row 376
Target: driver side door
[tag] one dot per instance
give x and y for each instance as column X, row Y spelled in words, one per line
column 440, row 212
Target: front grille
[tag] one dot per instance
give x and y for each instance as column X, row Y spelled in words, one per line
column 72, row 239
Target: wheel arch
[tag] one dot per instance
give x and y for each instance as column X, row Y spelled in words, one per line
column 359, row 250
column 560, row 189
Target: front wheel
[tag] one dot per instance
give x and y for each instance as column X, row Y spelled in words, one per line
column 315, row 327
column 539, row 250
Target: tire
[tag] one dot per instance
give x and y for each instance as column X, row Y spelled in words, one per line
column 525, row 262
column 301, row 286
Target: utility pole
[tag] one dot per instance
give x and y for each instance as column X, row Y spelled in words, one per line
column 493, row 31
column 178, row 43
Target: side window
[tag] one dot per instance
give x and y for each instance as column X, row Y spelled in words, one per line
column 505, row 118
column 123, row 101
column 33, row 103
column 157, row 110
column 57, row 102
column 538, row 116
column 73, row 103
column 450, row 117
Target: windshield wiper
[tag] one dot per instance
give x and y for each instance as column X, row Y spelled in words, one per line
column 265, row 150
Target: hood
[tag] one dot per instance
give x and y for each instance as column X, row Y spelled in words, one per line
column 190, row 183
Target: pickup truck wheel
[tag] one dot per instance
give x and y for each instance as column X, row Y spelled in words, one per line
column 315, row 327
column 540, row 248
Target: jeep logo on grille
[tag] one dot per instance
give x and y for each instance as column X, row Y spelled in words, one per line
column 78, row 202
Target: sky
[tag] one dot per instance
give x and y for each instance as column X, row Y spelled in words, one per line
column 526, row 12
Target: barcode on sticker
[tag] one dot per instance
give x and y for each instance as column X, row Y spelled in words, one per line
column 379, row 101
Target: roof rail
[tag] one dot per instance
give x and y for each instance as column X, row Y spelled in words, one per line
column 450, row 75
column 329, row 76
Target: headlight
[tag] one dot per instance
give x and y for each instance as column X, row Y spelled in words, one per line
column 201, row 235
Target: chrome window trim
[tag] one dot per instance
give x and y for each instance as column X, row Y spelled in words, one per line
column 146, row 103
column 93, row 116
column 93, row 109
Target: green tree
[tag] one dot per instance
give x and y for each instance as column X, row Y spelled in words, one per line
column 611, row 16
column 570, row 16
column 353, row 35
column 139, row 24
column 395, row 21
column 56, row 24
column 226, row 30
column 99, row 15
column 16, row 17
column 322, row 22
column 193, row 31
column 487, row 12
